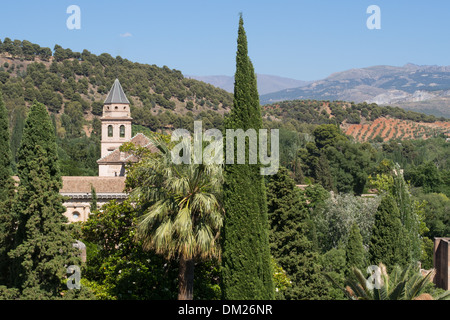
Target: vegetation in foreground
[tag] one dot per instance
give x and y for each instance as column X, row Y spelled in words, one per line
column 307, row 238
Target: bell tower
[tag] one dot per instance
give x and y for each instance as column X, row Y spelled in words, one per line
column 116, row 120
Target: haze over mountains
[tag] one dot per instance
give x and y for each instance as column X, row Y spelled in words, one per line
column 419, row 88
column 266, row 83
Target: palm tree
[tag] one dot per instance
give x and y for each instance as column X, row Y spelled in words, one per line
column 183, row 215
column 401, row 284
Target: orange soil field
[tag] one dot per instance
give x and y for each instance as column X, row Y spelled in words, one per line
column 388, row 128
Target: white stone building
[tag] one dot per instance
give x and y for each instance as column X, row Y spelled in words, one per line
column 110, row 183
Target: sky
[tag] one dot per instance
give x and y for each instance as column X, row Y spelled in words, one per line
column 299, row 39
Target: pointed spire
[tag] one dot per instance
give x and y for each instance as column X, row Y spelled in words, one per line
column 116, row 94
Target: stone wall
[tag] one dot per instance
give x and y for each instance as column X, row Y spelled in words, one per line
column 441, row 262
column 78, row 206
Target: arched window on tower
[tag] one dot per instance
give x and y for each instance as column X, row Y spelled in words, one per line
column 110, row 131
column 122, row 131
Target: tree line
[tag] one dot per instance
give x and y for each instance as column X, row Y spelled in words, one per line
column 323, row 112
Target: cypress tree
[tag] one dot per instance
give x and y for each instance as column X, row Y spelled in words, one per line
column 93, row 199
column 289, row 241
column 389, row 242
column 43, row 244
column 323, row 173
column 16, row 136
column 6, row 182
column 6, row 196
column 408, row 213
column 355, row 253
column 247, row 270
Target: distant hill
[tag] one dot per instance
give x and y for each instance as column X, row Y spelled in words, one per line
column 419, row 88
column 362, row 121
column 73, row 86
column 60, row 77
column 266, row 83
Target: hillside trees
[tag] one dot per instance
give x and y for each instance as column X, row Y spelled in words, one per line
column 335, row 162
column 74, row 78
column 327, row 135
column 327, row 112
column 25, row 49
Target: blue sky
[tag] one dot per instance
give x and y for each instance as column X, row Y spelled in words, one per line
column 305, row 40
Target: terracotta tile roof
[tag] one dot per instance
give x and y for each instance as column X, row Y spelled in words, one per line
column 116, row 156
column 113, row 156
column 140, row 140
column 82, row 184
column 101, row 184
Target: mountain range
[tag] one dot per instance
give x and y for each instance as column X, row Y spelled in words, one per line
column 266, row 83
column 412, row 87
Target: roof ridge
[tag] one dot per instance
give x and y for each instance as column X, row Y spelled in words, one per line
column 108, row 154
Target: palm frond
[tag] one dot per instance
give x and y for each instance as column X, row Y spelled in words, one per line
column 359, row 291
column 399, row 291
column 183, row 222
column 161, row 239
column 443, row 296
column 418, row 285
column 361, row 279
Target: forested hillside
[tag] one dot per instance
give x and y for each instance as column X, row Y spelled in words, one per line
column 74, row 85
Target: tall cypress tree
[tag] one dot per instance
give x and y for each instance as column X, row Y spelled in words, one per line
column 389, row 241
column 408, row 213
column 16, row 135
column 323, row 172
column 94, row 199
column 355, row 253
column 43, row 244
column 289, row 241
column 247, row 271
column 6, row 196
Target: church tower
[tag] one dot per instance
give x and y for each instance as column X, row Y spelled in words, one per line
column 116, row 120
column 116, row 130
